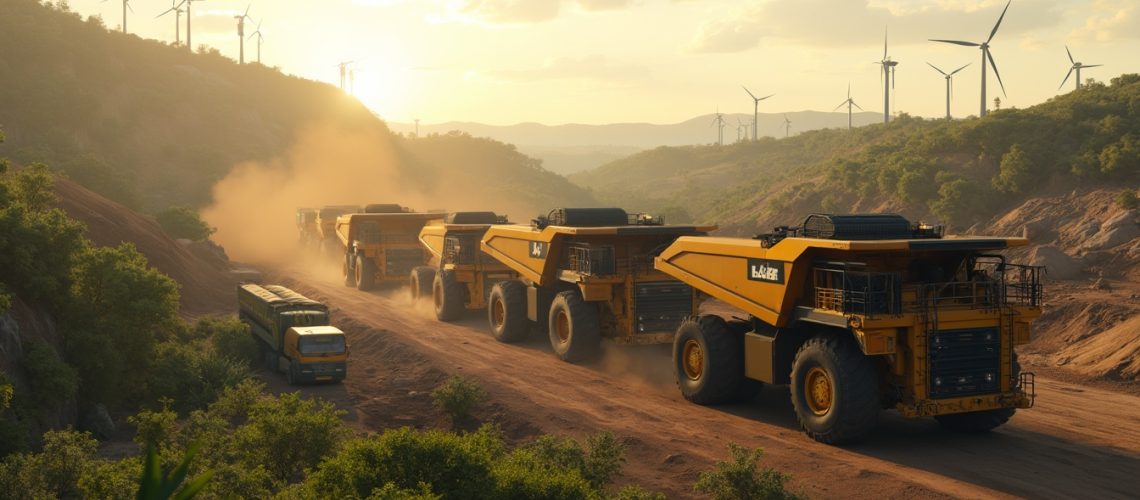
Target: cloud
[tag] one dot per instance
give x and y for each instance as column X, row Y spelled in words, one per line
column 523, row 11
column 1112, row 20
column 824, row 23
column 591, row 67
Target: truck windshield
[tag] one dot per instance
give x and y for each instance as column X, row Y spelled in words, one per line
column 322, row 344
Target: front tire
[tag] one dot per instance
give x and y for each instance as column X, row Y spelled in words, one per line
column 348, row 271
column 421, row 282
column 978, row 422
column 448, row 296
column 291, row 375
column 506, row 311
column 575, row 332
column 365, row 273
column 708, row 361
column 835, row 390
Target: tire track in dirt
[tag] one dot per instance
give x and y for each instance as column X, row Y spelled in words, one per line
column 1077, row 442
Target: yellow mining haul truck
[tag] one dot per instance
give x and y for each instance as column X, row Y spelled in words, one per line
column 294, row 333
column 382, row 246
column 859, row 313
column 585, row 274
column 460, row 276
column 307, row 234
column 326, row 240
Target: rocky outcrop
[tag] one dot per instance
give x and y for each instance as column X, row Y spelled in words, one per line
column 1058, row 264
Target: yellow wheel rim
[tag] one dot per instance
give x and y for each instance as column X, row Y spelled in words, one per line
column 817, row 391
column 693, row 360
column 562, row 327
column 498, row 312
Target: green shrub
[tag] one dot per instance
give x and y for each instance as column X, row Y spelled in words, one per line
column 288, row 434
column 1127, row 199
column 635, row 492
column 453, row 465
column 155, row 427
column 739, row 479
column 229, row 337
column 50, row 380
column 457, row 397
column 52, row 473
column 111, row 479
column 184, row 223
column 193, row 376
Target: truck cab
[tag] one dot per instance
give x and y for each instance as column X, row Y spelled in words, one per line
column 315, row 354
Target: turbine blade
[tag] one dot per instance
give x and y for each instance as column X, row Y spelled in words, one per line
column 165, row 12
column 936, row 69
column 128, row 4
column 1002, row 16
column 893, row 72
column 884, row 43
column 848, row 90
column 1091, row 65
column 998, row 75
column 765, row 97
column 1067, row 75
column 749, row 92
column 1070, row 55
column 957, row 42
column 960, row 69
column 247, row 6
column 839, row 106
column 857, row 106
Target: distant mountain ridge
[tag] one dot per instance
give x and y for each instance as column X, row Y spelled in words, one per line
column 573, row 147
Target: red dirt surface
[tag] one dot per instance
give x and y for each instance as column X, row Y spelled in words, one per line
column 206, row 287
column 1078, row 441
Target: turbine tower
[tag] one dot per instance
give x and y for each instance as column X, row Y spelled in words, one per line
column 849, row 102
column 888, row 79
column 241, row 33
column 343, row 72
column 787, row 126
column 719, row 122
column 189, row 17
column 1076, row 66
column 257, row 33
column 177, row 10
column 126, row 5
column 949, row 84
column 755, row 109
column 986, row 56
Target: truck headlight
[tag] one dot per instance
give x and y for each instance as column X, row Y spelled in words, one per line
column 937, row 381
column 989, row 377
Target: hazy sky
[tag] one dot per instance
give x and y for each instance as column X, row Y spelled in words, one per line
column 659, row 61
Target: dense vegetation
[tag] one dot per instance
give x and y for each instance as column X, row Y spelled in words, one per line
column 956, row 171
column 154, row 126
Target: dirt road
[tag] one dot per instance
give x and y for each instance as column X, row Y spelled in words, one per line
column 1078, row 441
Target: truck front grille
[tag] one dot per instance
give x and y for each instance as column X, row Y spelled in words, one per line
column 964, row 362
column 661, row 306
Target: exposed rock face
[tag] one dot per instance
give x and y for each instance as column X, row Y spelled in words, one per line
column 1058, row 264
column 21, row 324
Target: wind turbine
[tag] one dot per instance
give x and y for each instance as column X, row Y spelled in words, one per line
column 719, row 122
column 257, row 33
column 849, row 102
column 787, row 126
column 343, row 72
column 755, row 109
column 1076, row 66
column 741, row 130
column 888, row 79
column 949, row 84
column 177, row 10
column 985, row 46
column 241, row 33
column 126, row 5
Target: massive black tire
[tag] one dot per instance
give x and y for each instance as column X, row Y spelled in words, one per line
column 835, row 389
column 575, row 332
column 365, row 273
column 349, row 273
column 448, row 296
column 708, row 361
column 421, row 282
column 978, row 422
column 291, row 374
column 506, row 311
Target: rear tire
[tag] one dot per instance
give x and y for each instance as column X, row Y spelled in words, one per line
column 835, row 389
column 506, row 311
column 365, row 273
column 708, row 361
column 421, row 282
column 348, row 271
column 575, row 332
column 448, row 296
column 978, row 422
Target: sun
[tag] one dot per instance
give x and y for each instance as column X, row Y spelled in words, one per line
column 384, row 90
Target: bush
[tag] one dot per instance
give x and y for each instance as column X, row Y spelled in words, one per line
column 229, row 337
column 52, row 473
column 50, row 380
column 1127, row 199
column 739, row 478
column 457, row 397
column 111, row 479
column 192, row 376
column 184, row 223
column 154, row 427
column 288, row 434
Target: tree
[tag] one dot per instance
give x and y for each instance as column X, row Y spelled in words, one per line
column 1015, row 174
column 184, row 223
column 740, row 479
column 289, row 434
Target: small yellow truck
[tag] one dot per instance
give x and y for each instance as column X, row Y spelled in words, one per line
column 860, row 312
column 459, row 276
column 294, row 333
